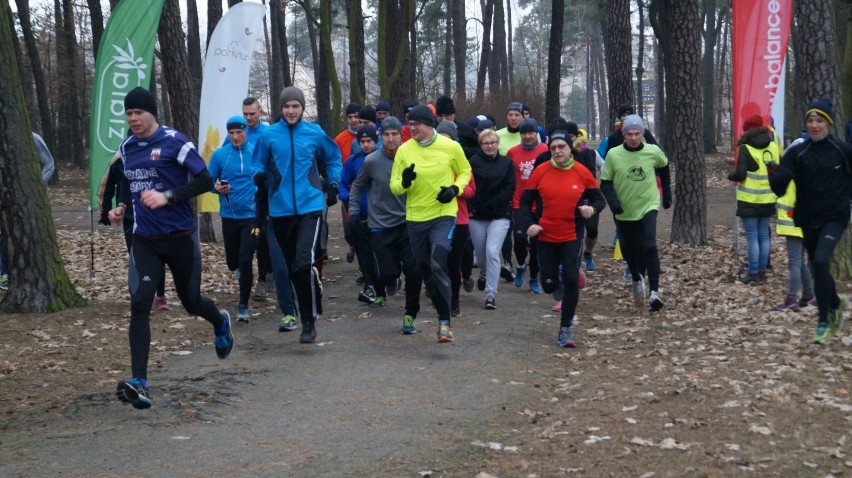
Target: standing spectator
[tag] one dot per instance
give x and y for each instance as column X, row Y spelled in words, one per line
column 157, row 161
column 431, row 205
column 231, row 170
column 287, row 154
column 568, row 194
column 821, row 166
column 387, row 226
column 757, row 156
column 490, row 209
column 628, row 181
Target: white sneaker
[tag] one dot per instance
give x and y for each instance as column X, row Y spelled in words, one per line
column 628, row 278
column 655, row 301
column 639, row 290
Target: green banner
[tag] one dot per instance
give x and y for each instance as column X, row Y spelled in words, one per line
column 124, row 62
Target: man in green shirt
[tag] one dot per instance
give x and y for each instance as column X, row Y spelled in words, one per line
column 629, row 183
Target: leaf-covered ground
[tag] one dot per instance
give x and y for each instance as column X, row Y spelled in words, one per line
column 717, row 384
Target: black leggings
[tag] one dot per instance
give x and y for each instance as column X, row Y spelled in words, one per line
column 147, row 260
column 461, row 236
column 820, row 244
column 523, row 243
column 639, row 248
column 299, row 238
column 394, row 257
column 128, row 240
column 240, row 245
column 552, row 255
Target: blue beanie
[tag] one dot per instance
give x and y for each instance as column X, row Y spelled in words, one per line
column 236, row 122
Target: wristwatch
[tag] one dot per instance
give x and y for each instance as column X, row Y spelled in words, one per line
column 169, row 195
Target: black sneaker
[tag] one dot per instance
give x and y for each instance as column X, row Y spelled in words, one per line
column 134, row 392
column 467, row 284
column 368, row 295
column 480, row 283
column 393, row 287
column 506, row 273
column 490, row 304
column 309, row 332
column 224, row 336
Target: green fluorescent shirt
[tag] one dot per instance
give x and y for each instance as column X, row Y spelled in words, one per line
column 635, row 181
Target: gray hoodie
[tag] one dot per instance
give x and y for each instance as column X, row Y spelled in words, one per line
column 386, row 210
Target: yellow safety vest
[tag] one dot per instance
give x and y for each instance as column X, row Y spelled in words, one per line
column 784, row 225
column 755, row 189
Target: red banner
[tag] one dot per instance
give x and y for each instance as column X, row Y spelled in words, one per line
column 761, row 30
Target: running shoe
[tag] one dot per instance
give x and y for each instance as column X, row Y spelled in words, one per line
column 408, row 325
column 309, row 332
column 455, row 310
column 639, row 290
column 506, row 273
column 445, row 332
column 490, row 304
column 243, row 314
column 790, row 303
column 162, row 303
column 564, row 338
column 134, row 392
column 380, row 302
column 590, row 262
column 628, row 277
column 393, row 287
column 4, row 282
column 581, row 282
column 480, row 283
column 835, row 316
column 806, row 301
column 467, row 283
column 360, row 280
column 288, row 323
column 535, row 287
column 261, row 290
column 557, row 306
column 654, row 301
column 519, row 276
column 823, row 332
column 368, row 295
column 224, row 336
column 350, row 255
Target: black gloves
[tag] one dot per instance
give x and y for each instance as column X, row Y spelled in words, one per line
column 447, row 192
column 408, row 175
column 616, row 208
column 260, row 179
column 331, row 195
column 667, row 199
column 104, row 218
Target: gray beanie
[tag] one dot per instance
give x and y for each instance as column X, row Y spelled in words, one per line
column 291, row 93
column 391, row 123
column 449, row 128
column 632, row 122
column 528, row 125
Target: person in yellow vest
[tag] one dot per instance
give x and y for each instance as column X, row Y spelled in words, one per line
column 798, row 273
column 757, row 156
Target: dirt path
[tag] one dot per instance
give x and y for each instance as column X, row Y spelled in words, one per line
column 713, row 386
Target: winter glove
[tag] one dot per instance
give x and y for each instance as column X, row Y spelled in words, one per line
column 260, row 179
column 408, row 175
column 616, row 208
column 667, row 197
column 104, row 218
column 331, row 195
column 447, row 193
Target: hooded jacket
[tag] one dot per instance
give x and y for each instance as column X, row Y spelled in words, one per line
column 757, row 139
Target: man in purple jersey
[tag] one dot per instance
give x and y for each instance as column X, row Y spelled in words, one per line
column 157, row 161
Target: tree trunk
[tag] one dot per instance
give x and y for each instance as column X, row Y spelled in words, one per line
column 44, row 113
column 618, row 55
column 681, row 43
column 640, row 60
column 509, row 78
column 193, row 47
column 357, row 80
column 721, row 76
column 497, row 75
column 38, row 281
column 96, row 16
column 71, row 138
column 712, row 25
column 485, row 51
column 330, row 68
column 554, row 63
column 459, row 51
column 280, row 74
column 590, row 89
column 214, row 14
column 604, row 122
column 392, row 61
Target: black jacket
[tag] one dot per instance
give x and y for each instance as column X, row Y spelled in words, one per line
column 823, row 174
column 495, row 185
column 756, row 138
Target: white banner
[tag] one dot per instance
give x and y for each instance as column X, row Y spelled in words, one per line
column 226, row 79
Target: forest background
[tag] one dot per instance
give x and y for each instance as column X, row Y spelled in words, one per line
column 579, row 59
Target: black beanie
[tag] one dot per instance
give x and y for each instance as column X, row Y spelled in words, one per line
column 625, row 110
column 423, row 114
column 821, row 107
column 140, row 99
column 558, row 134
column 558, row 124
column 352, row 109
column 572, row 128
column 367, row 131
column 445, row 106
column 407, row 106
column 528, row 125
column 367, row 113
